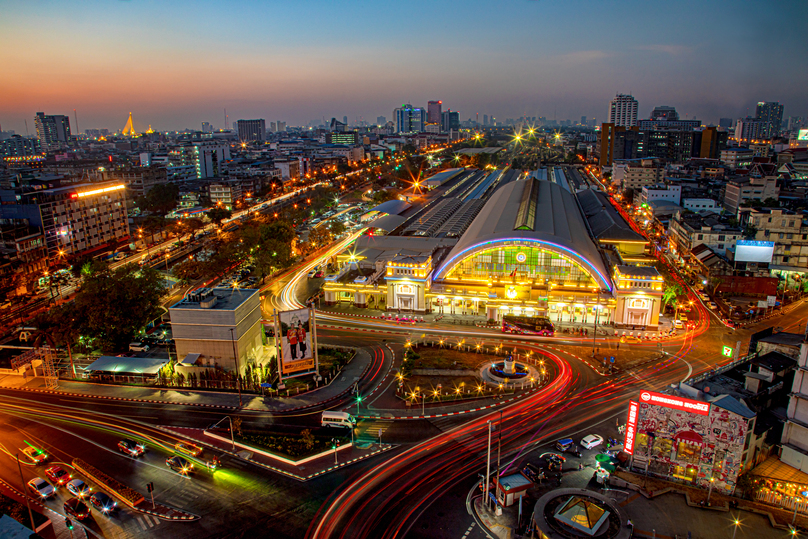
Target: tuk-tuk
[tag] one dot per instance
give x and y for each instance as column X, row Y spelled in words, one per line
column 566, row 445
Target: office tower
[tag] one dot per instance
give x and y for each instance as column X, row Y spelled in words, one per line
column 207, row 127
column 449, row 121
column 433, row 112
column 485, row 119
column 583, row 120
column 623, row 111
column 337, row 126
column 282, row 126
column 381, row 120
column 273, row 127
column 771, row 113
column 53, row 131
column 251, row 130
column 345, row 120
column 409, row 119
column 726, row 123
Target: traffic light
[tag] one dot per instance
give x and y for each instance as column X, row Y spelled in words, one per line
column 68, row 523
column 150, row 487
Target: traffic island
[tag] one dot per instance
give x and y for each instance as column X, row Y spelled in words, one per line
column 129, row 496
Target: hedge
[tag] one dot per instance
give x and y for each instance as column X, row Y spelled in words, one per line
column 128, row 495
column 292, row 446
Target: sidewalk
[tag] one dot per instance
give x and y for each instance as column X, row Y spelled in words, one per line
column 343, row 383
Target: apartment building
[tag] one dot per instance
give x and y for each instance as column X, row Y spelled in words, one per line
column 739, row 191
column 789, row 232
column 687, row 231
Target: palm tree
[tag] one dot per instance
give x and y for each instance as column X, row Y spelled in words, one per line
column 672, row 291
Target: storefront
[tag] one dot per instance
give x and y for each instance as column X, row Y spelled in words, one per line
column 690, row 441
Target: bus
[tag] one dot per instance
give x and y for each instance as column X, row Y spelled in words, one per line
column 528, row 325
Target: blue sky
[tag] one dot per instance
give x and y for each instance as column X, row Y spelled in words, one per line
column 175, row 64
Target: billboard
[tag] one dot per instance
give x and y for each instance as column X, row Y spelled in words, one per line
column 676, row 403
column 803, row 134
column 754, row 251
column 631, row 427
column 294, row 330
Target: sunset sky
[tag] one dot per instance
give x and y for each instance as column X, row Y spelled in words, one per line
column 174, row 64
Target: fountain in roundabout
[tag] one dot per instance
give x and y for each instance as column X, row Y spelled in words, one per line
column 509, row 372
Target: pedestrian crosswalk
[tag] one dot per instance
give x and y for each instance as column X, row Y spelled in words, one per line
column 444, row 423
column 139, row 525
column 186, row 493
column 369, row 430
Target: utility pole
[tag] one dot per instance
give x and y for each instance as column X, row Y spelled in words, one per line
column 499, row 444
column 25, row 492
column 488, row 464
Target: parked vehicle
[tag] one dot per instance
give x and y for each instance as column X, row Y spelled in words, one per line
column 138, row 347
column 593, row 440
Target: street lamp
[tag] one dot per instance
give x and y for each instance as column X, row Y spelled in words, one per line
column 710, row 491
column 736, row 523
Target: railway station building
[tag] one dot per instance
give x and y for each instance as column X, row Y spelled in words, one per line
column 501, row 243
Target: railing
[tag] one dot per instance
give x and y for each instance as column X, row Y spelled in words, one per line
column 719, row 370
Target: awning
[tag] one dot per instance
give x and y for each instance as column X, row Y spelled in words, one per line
column 126, row 365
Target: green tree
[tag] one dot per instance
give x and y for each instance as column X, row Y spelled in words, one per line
column 337, row 227
column 161, row 199
column 409, row 149
column 715, row 282
column 112, row 306
column 217, row 215
column 319, row 236
column 383, row 196
column 188, row 271
column 671, row 292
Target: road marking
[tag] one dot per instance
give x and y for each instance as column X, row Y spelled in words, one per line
column 140, row 522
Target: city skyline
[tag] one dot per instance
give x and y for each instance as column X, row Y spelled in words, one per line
column 178, row 67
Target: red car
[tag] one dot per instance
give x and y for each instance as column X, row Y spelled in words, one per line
column 77, row 509
column 58, row 475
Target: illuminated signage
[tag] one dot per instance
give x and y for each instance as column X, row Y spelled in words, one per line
column 631, row 427
column 803, row 134
column 99, row 191
column 676, row 403
column 754, row 251
column 521, row 257
column 726, row 351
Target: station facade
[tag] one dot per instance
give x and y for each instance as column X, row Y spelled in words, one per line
column 529, row 252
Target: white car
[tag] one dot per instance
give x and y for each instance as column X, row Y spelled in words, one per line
column 78, row 488
column 678, row 324
column 41, row 488
column 712, row 305
column 593, row 440
column 138, row 347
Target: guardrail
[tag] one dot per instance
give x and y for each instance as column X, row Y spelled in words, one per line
column 719, row 370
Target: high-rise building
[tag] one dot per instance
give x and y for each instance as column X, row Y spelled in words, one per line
column 672, row 146
column 345, row 120
column 450, row 121
column 207, row 127
column 251, row 130
column 53, row 131
column 747, row 129
column 410, row 119
column 282, row 126
column 433, row 112
column 771, row 113
column 623, row 111
column 381, row 120
column 17, row 146
column 583, row 120
column 273, row 127
column 726, row 123
column 485, row 119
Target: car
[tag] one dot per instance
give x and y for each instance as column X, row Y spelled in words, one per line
column 318, row 274
column 79, row 488
column 189, row 448
column 131, row 448
column 593, row 440
column 58, row 475
column 103, row 503
column 566, row 445
column 729, row 323
column 678, row 324
column 311, row 274
column 37, row 456
column 41, row 488
column 630, row 339
column 712, row 305
column 138, row 347
column 77, row 509
column 179, row 465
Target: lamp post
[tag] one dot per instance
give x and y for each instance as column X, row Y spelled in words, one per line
column 595, row 332
column 25, row 492
column 736, row 524
column 238, row 370
column 710, row 491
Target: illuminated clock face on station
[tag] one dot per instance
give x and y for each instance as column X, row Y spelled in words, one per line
column 521, row 257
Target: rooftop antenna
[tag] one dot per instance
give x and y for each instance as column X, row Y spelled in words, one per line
column 26, row 127
column 76, row 117
column 225, row 118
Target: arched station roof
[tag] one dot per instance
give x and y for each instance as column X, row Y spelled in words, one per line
column 535, row 213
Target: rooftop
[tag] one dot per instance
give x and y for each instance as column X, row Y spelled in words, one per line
column 227, row 299
column 784, row 339
column 606, row 223
column 126, row 365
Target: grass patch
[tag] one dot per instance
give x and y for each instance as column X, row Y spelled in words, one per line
column 295, row 447
column 448, row 358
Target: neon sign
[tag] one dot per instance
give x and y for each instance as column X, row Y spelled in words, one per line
column 676, row 403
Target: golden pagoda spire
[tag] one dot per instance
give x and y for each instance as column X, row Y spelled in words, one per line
column 129, row 128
